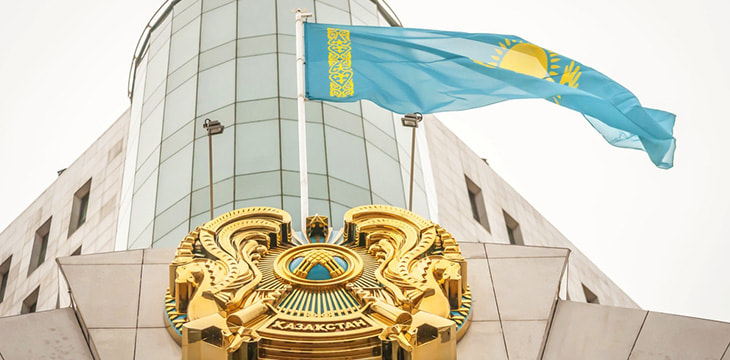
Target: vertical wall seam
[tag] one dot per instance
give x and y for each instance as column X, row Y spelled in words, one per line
column 725, row 352
column 637, row 335
column 139, row 301
column 496, row 302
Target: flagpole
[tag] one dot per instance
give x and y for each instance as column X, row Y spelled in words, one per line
column 301, row 119
column 411, row 121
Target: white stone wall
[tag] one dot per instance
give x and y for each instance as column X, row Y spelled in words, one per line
column 103, row 163
column 451, row 159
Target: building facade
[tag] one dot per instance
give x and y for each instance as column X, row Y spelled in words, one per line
column 143, row 186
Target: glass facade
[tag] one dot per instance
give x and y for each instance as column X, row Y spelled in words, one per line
column 233, row 61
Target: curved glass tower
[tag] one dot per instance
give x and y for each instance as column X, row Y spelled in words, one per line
column 233, row 61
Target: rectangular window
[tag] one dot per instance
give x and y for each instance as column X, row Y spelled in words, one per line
column 40, row 245
column 30, row 303
column 513, row 230
column 80, row 208
column 591, row 298
column 478, row 210
column 4, row 274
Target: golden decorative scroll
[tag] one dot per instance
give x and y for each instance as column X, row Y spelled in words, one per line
column 390, row 285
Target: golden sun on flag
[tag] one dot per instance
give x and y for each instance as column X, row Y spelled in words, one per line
column 530, row 59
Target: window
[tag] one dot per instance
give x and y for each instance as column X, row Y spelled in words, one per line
column 30, row 303
column 76, row 252
column 591, row 298
column 513, row 230
column 40, row 245
column 478, row 211
column 4, row 274
column 80, row 208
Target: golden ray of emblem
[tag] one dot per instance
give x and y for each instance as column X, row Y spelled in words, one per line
column 389, row 285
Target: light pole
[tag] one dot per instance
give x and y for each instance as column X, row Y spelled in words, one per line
column 213, row 127
column 411, row 121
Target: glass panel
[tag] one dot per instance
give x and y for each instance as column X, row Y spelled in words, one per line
column 342, row 120
column 173, row 238
column 222, row 194
column 157, row 68
column 257, row 110
column 363, row 12
column 159, row 35
column 351, row 107
column 222, row 158
column 343, row 5
column 218, row 55
column 182, row 74
column 290, row 145
column 179, row 108
column 258, row 185
column 348, row 194
column 219, row 27
column 420, row 205
column 152, row 101
column 316, row 159
column 174, row 179
column 293, row 207
column 224, row 115
column 285, row 13
column 150, row 133
column 380, row 117
column 144, row 241
column 257, row 77
column 199, row 220
column 256, row 17
column 147, row 168
column 287, row 76
column 257, row 45
column 337, row 219
column 346, row 157
column 381, row 140
column 216, row 87
column 271, row 201
column 177, row 140
column 184, row 13
column 258, row 147
column 212, row 4
column 143, row 207
column 184, row 44
column 319, row 207
column 385, row 177
column 317, row 185
column 172, row 217
column 287, row 44
column 313, row 110
column 331, row 15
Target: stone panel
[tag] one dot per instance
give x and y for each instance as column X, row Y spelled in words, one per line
column 483, row 340
column 159, row 256
column 472, row 250
column 156, row 344
column 495, row 251
column 480, row 283
column 587, row 331
column 118, row 258
column 526, row 288
column 524, row 338
column 666, row 336
column 106, row 295
column 51, row 334
column 113, row 344
column 155, row 278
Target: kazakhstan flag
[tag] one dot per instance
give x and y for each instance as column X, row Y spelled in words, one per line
column 428, row 71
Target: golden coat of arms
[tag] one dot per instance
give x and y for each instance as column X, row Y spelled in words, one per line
column 389, row 285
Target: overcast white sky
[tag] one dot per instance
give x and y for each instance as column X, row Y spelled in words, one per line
column 661, row 235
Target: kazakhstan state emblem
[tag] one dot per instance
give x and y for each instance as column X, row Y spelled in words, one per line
column 389, row 285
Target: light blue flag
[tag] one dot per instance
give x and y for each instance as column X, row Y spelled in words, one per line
column 428, row 71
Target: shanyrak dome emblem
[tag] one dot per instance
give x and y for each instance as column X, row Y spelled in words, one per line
column 389, row 285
